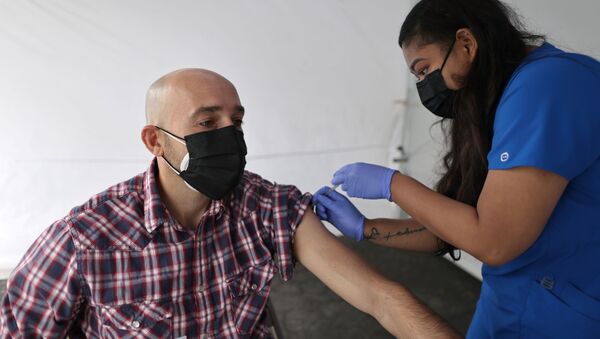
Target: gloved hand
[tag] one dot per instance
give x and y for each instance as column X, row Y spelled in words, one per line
column 335, row 208
column 367, row 181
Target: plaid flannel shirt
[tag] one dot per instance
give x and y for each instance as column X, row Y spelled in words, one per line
column 119, row 266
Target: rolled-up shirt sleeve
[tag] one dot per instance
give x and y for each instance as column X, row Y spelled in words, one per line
column 43, row 294
column 287, row 210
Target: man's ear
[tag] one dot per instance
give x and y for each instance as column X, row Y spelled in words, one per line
column 151, row 140
column 468, row 43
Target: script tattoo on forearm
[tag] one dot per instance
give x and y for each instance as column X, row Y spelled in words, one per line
column 375, row 234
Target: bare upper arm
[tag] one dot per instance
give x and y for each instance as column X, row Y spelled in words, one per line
column 515, row 205
column 340, row 268
column 349, row 276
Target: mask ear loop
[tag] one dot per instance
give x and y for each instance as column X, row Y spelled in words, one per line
column 179, row 139
column 172, row 167
column 447, row 55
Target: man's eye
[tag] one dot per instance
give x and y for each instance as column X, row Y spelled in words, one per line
column 206, row 123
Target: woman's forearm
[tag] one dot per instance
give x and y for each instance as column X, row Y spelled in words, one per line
column 511, row 213
column 450, row 220
column 406, row 234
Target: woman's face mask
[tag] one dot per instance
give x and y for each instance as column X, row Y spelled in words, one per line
column 215, row 160
column 434, row 93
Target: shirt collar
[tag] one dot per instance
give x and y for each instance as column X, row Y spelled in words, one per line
column 155, row 212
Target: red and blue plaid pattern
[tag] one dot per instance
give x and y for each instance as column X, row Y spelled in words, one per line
column 119, row 266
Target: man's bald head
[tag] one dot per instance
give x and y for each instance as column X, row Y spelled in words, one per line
column 171, row 91
column 183, row 103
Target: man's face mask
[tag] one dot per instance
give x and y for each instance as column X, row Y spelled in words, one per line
column 434, row 93
column 215, row 160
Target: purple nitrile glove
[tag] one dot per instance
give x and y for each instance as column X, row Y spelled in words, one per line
column 367, row 181
column 335, row 208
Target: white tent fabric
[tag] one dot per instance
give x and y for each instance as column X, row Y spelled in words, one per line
column 321, row 82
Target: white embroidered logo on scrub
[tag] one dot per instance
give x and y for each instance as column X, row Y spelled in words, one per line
column 504, row 157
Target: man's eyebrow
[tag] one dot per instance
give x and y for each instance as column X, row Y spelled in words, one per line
column 206, row 110
column 412, row 64
column 210, row 110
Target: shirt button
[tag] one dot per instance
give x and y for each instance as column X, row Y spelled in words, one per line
column 135, row 324
column 254, row 287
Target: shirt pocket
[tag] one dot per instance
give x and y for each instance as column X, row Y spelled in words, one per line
column 248, row 293
column 137, row 320
column 558, row 309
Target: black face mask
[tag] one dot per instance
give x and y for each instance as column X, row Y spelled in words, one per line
column 215, row 160
column 434, row 93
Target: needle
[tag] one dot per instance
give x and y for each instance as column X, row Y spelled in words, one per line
column 332, row 189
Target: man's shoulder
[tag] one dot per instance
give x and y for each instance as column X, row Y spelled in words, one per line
column 253, row 184
column 253, row 181
column 255, row 193
column 118, row 194
column 107, row 218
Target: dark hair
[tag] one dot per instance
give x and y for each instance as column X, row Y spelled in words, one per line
column 502, row 46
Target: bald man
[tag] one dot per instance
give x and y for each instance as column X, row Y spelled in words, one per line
column 188, row 248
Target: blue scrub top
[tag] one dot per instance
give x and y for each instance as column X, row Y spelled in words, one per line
column 549, row 118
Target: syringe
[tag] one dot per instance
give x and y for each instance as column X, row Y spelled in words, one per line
column 333, row 188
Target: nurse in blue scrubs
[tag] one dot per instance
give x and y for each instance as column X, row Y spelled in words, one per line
column 520, row 188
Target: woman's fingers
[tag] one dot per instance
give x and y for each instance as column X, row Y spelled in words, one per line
column 340, row 175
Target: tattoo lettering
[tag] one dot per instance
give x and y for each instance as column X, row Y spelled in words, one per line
column 374, row 234
column 407, row 231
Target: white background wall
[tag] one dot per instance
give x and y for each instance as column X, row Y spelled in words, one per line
column 319, row 80
column 571, row 25
column 323, row 82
